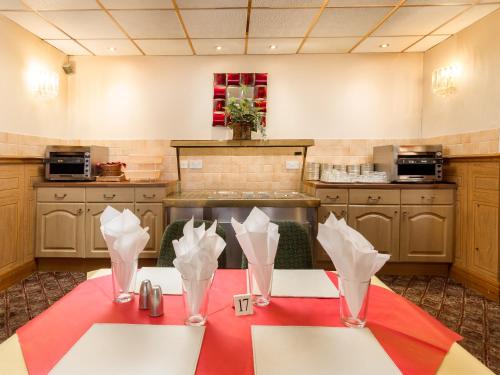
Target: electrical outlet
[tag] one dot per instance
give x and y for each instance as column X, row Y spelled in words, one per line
column 196, row 164
column 292, row 164
column 184, row 164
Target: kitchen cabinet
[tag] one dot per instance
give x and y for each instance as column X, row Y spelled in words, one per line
column 76, row 208
column 379, row 225
column 60, row 229
column 427, row 233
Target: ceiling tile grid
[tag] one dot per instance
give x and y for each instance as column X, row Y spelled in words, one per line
column 167, row 27
column 143, row 24
column 280, row 23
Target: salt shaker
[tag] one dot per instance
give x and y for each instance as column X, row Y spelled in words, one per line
column 156, row 302
column 144, row 293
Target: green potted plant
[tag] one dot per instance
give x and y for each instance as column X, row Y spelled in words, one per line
column 244, row 118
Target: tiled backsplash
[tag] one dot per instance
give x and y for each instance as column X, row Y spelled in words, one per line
column 245, row 168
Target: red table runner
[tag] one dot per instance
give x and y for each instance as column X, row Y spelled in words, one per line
column 416, row 342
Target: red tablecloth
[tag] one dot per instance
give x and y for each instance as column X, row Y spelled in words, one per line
column 415, row 341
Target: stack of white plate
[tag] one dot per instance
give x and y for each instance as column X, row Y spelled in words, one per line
column 312, row 171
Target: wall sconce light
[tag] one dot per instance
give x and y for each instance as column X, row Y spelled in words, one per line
column 43, row 83
column 444, row 80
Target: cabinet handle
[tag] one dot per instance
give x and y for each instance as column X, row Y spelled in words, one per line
column 57, row 196
column 333, row 198
column 343, row 213
column 405, row 213
column 396, row 212
column 477, row 248
column 376, row 199
column 429, row 198
column 149, row 196
column 79, row 211
column 106, row 196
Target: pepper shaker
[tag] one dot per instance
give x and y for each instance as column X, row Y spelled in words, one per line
column 144, row 293
column 156, row 302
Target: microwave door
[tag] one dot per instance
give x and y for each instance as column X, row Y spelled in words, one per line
column 67, row 167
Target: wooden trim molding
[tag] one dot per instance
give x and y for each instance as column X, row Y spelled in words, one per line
column 17, row 274
column 21, row 160
column 488, row 288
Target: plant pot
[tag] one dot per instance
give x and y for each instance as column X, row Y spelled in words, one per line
column 242, row 132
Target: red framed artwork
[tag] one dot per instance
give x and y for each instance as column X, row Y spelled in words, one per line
column 227, row 85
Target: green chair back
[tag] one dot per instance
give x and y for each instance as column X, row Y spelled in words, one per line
column 174, row 232
column 294, row 247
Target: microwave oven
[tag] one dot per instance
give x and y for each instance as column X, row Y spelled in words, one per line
column 74, row 163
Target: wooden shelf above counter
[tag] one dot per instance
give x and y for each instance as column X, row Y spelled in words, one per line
column 250, row 143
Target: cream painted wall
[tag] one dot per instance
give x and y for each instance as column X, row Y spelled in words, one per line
column 316, row 96
column 476, row 104
column 20, row 111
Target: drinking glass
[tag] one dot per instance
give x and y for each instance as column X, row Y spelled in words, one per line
column 195, row 294
column 123, row 275
column 260, row 279
column 353, row 301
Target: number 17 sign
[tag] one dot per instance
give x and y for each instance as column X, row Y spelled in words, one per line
column 243, row 304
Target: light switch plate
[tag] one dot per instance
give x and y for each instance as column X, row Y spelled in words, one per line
column 184, row 164
column 292, row 164
column 196, row 164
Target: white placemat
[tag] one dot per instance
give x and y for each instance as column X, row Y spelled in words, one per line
column 130, row 349
column 168, row 278
column 296, row 350
column 301, row 283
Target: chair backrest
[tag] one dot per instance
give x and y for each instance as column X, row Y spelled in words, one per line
column 174, row 232
column 294, row 247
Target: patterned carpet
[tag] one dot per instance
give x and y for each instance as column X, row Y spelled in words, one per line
column 459, row 308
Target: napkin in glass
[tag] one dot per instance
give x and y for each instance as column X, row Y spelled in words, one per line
column 125, row 239
column 196, row 254
column 258, row 238
column 354, row 258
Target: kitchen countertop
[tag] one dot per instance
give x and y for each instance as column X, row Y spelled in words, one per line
column 360, row 185
column 103, row 184
column 240, row 199
column 21, row 160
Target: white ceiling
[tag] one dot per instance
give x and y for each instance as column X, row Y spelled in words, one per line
column 214, row 27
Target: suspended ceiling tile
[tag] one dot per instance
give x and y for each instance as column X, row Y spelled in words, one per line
column 282, row 46
column 418, row 20
column 286, row 3
column 468, row 18
column 396, row 44
column 228, row 46
column 215, row 23
column 111, row 47
column 11, row 5
column 137, row 4
column 92, row 24
column 165, row 47
column 142, row 24
column 427, row 43
column 212, row 4
column 350, row 3
column 283, row 23
column 62, row 4
column 438, row 2
column 35, row 24
column 328, row 45
column 69, row 47
column 348, row 21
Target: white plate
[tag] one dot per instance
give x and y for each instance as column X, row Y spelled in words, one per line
column 130, row 349
column 296, row 350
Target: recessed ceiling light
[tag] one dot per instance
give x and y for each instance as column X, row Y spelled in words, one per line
column 218, row 48
column 385, row 45
column 112, row 49
column 273, row 46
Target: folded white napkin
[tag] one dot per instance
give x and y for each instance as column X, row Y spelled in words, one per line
column 258, row 238
column 196, row 259
column 354, row 258
column 125, row 239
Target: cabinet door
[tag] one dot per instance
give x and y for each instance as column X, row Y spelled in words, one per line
column 151, row 215
column 427, row 233
column 60, row 229
column 95, row 246
column 483, row 257
column 379, row 225
column 340, row 211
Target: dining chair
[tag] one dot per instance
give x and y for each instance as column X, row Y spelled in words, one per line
column 294, row 247
column 174, row 232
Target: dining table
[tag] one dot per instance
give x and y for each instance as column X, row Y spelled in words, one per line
column 13, row 356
